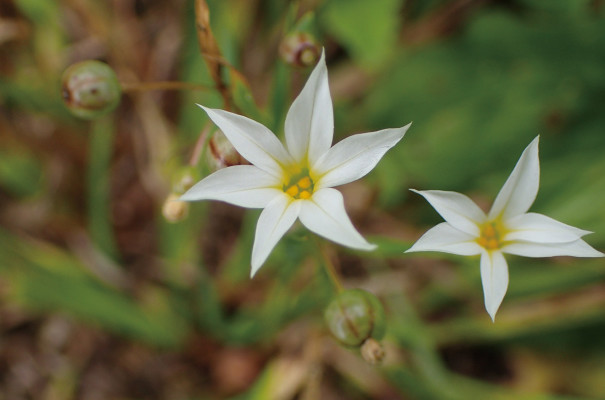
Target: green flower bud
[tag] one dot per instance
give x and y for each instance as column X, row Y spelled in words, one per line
column 355, row 316
column 300, row 49
column 90, row 89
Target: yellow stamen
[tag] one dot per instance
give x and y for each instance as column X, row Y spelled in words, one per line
column 491, row 235
column 489, row 231
column 493, row 244
column 304, row 195
column 305, row 183
column 300, row 185
column 292, row 191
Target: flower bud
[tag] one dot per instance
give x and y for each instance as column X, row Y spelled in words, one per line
column 90, row 89
column 174, row 210
column 355, row 316
column 221, row 152
column 372, row 351
column 300, row 49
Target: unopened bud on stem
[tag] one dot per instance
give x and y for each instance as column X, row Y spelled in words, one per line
column 356, row 319
column 90, row 89
column 174, row 210
column 221, row 153
column 300, row 49
column 372, row 351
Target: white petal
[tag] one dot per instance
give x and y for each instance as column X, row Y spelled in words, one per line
column 325, row 215
column 310, row 120
column 538, row 228
column 273, row 222
column 521, row 187
column 242, row 185
column 252, row 140
column 447, row 239
column 578, row 248
column 355, row 156
column 457, row 209
column 494, row 277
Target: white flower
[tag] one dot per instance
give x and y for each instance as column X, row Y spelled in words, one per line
column 507, row 228
column 295, row 181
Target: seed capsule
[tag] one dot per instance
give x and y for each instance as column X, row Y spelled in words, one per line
column 90, row 89
column 355, row 316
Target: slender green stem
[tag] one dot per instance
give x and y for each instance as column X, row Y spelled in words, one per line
column 329, row 266
column 98, row 186
column 163, row 85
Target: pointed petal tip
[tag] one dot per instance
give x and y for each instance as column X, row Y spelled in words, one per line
column 414, row 248
column 188, row 196
column 367, row 246
column 370, row 247
column 208, row 110
column 492, row 312
column 535, row 142
column 520, row 189
column 255, row 264
column 404, row 129
column 321, row 63
column 185, row 197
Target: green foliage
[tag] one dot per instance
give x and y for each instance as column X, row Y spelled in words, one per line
column 477, row 94
column 20, row 173
column 367, row 29
column 48, row 279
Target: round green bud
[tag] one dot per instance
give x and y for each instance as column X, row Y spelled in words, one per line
column 300, row 49
column 355, row 316
column 90, row 89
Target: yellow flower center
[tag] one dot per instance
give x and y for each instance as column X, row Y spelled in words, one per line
column 300, row 186
column 492, row 233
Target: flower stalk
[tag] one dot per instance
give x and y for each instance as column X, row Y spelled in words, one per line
column 329, row 267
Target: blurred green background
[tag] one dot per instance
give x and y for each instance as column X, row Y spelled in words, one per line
column 102, row 298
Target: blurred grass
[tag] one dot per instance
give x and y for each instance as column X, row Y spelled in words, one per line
column 479, row 79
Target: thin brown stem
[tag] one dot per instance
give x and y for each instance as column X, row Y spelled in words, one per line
column 210, row 50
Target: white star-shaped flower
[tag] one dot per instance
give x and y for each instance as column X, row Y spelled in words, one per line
column 507, row 228
column 295, row 181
